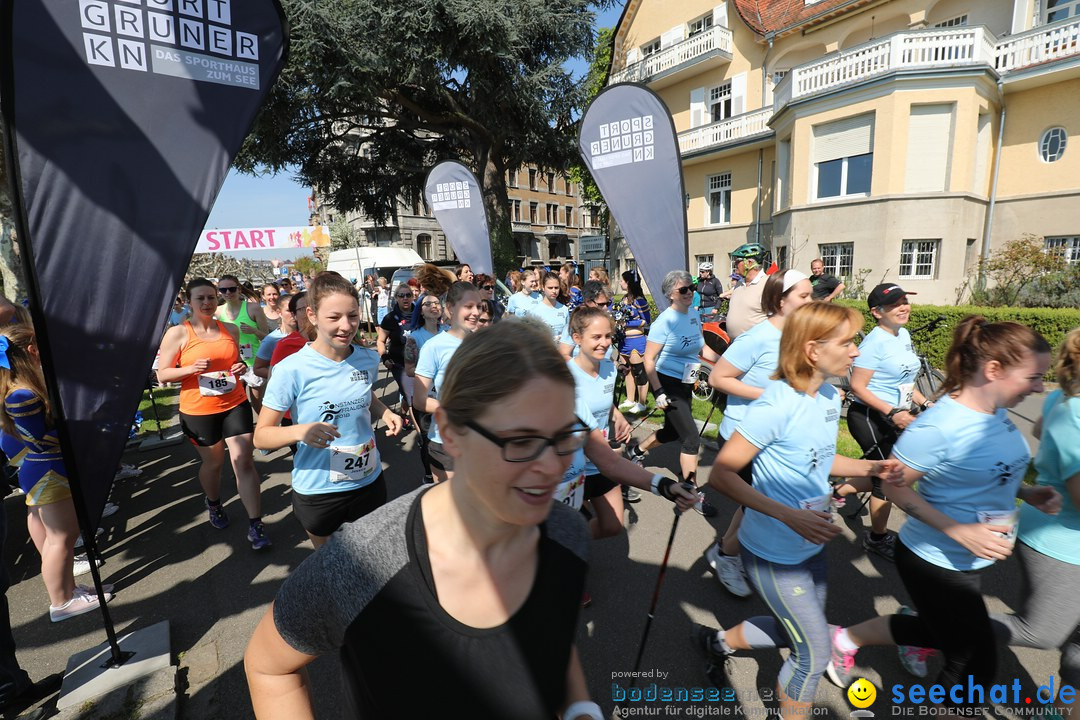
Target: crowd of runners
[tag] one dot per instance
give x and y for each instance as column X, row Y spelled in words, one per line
column 482, row 567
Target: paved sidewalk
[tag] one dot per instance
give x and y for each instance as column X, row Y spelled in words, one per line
column 168, row 563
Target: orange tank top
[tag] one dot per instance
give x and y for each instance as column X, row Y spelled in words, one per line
column 217, row 389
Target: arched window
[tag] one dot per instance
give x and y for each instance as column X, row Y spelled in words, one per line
column 423, row 246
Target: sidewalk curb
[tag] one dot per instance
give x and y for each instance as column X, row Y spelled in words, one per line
column 152, row 697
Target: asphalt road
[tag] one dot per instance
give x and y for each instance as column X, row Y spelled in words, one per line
column 168, row 563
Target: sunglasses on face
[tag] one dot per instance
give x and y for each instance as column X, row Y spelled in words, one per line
column 488, row 287
column 224, row 290
column 685, row 290
column 405, row 296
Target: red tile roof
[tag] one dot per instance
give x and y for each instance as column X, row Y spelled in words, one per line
column 763, row 16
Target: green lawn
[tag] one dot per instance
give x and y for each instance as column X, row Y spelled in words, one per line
column 168, row 405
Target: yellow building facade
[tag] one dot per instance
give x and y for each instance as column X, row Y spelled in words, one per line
column 899, row 140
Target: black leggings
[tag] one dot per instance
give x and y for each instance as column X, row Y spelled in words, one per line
column 952, row 618
column 875, row 434
column 679, row 418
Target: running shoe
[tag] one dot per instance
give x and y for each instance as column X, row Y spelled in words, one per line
column 626, row 406
column 639, row 409
column 913, row 658
column 710, row 641
column 728, row 570
column 81, row 565
column 257, row 536
column 79, row 542
column 218, row 518
column 110, row 509
column 885, row 547
column 842, row 663
column 79, row 604
column 127, row 471
column 89, row 590
column 630, row 495
column 634, row 454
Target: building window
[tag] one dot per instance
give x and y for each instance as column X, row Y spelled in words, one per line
column 1052, row 144
column 532, row 179
column 845, row 176
column 720, row 102
column 699, row 259
column 423, row 246
column 567, row 185
column 843, row 157
column 918, row 259
column 650, row 48
column 703, row 23
column 533, row 207
column 552, row 215
column 511, row 178
column 569, row 216
column 1061, row 9
column 1067, row 247
column 718, row 194
column 551, row 182
column 515, row 210
column 838, row 258
column 958, row 21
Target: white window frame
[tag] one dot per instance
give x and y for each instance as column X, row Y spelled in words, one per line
column 650, row 48
column 699, row 25
column 843, row 179
column 838, row 258
column 1067, row 245
column 699, row 259
column 720, row 95
column 1071, row 8
column 1044, row 143
column 916, row 253
column 718, row 184
column 958, row 21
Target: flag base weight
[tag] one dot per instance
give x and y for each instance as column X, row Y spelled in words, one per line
column 175, row 437
column 90, row 674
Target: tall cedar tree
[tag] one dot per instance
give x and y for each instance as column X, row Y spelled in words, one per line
column 377, row 91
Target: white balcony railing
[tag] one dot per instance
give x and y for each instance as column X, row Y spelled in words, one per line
column 520, row 226
column 1044, row 44
column 713, row 39
column 555, row 229
column 725, row 131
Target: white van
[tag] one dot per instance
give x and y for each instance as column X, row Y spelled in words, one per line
column 355, row 263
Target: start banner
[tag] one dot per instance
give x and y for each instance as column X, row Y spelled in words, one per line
column 267, row 238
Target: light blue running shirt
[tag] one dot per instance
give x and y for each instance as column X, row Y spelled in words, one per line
column 797, row 437
column 598, row 395
column 1058, row 459
column 556, row 318
column 755, row 353
column 434, row 357
column 680, row 334
column 519, row 304
column 421, row 335
column 894, row 363
column 571, row 491
column 973, row 463
column 314, row 388
column 266, row 347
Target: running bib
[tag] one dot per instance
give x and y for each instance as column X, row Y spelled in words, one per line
column 907, row 395
column 820, row 503
column 246, row 352
column 571, row 493
column 351, row 462
column 690, row 371
column 217, row 383
column 1000, row 517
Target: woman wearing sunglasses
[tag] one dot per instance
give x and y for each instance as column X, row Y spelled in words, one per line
column 486, row 284
column 671, row 364
column 483, row 573
column 431, row 311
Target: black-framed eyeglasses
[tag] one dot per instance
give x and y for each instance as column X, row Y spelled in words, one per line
column 228, row 289
column 526, row 448
column 685, row 290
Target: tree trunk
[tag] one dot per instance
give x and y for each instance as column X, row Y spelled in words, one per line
column 11, row 269
column 497, row 206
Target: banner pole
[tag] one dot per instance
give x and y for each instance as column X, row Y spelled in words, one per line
column 41, row 335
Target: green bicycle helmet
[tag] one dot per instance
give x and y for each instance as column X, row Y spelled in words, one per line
column 749, row 251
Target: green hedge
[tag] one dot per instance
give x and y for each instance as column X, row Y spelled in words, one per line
column 1051, row 323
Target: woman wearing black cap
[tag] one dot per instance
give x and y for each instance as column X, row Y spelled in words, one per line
column 885, row 401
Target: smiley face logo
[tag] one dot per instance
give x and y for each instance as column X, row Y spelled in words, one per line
column 862, row 693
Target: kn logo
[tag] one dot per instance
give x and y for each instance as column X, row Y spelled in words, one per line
column 193, row 39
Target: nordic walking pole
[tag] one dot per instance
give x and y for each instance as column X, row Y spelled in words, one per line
column 655, row 596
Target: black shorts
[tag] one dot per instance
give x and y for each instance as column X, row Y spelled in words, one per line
column 324, row 513
column 440, row 459
column 597, row 485
column 209, row 430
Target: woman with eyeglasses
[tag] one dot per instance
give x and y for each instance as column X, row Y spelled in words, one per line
column 484, row 572
column 671, row 364
column 327, row 389
column 463, row 307
column 203, row 355
column 431, row 312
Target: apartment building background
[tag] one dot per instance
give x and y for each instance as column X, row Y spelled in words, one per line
column 866, row 132
column 547, row 219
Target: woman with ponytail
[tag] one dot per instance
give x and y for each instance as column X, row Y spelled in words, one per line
column 968, row 460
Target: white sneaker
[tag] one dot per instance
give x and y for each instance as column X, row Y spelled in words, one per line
column 626, row 406
column 81, row 566
column 79, row 604
column 639, row 409
column 729, row 571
